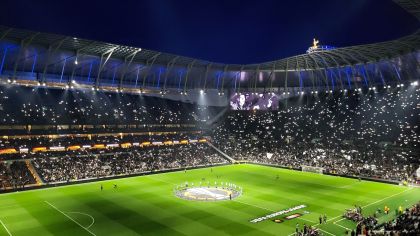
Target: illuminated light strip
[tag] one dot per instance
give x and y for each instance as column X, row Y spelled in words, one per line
column 74, row 147
column 24, row 150
column 8, row 150
column 39, row 149
column 57, row 148
column 2, row 61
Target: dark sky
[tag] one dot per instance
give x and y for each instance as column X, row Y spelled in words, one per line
column 228, row 31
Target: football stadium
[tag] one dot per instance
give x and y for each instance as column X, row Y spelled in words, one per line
column 101, row 138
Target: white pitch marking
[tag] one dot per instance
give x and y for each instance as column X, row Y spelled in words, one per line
column 334, row 218
column 342, row 226
column 386, row 198
column 5, row 228
column 90, row 232
column 335, row 222
column 362, row 207
column 326, row 232
column 81, row 213
column 274, row 211
column 254, row 206
column 306, row 220
column 339, row 220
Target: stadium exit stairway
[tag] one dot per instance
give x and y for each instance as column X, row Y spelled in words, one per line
column 33, row 172
column 224, row 155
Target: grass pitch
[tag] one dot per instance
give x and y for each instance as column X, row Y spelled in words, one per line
column 147, row 206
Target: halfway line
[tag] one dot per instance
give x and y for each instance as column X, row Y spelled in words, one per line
column 254, row 205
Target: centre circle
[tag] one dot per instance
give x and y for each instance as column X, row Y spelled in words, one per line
column 207, row 193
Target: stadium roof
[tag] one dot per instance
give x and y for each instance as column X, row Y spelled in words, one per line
column 39, row 55
column 339, row 57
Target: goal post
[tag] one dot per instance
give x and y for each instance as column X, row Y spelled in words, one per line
column 312, row 169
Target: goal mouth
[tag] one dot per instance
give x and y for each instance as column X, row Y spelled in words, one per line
column 207, row 193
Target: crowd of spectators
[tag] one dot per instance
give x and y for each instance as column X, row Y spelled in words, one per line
column 388, row 163
column 406, row 223
column 66, row 141
column 307, row 231
column 130, row 161
column 373, row 134
column 15, row 175
column 42, row 106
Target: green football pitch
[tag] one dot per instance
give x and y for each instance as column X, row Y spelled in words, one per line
column 146, row 205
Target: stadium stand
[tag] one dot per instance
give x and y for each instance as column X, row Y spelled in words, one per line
column 132, row 161
column 350, row 111
column 371, row 135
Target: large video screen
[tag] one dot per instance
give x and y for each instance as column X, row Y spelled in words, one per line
column 249, row 101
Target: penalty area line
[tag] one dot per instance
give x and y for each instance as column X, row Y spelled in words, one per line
column 335, row 223
column 380, row 200
column 81, row 213
column 326, row 232
column 7, row 230
column 87, row 230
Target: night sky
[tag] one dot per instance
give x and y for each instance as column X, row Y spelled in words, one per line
column 228, row 31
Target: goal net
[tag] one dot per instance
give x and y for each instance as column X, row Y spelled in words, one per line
column 313, row 169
